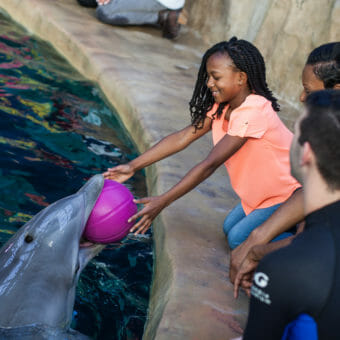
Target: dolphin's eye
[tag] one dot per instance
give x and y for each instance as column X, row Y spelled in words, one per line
column 28, row 239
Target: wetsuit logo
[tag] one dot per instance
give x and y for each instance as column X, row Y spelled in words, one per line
column 261, row 279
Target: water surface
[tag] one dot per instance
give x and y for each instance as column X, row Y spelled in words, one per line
column 56, row 132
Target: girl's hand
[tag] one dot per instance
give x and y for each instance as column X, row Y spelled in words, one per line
column 119, row 173
column 153, row 206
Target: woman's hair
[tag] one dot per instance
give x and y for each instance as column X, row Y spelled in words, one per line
column 325, row 60
column 321, row 128
column 247, row 58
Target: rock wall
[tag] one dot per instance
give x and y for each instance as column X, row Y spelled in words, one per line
column 285, row 31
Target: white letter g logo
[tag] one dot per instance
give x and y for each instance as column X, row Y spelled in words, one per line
column 261, row 279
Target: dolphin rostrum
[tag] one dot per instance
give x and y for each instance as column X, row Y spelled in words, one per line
column 40, row 267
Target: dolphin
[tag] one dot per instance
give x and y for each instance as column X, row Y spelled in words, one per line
column 40, row 267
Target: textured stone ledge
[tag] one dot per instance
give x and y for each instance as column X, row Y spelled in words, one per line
column 149, row 80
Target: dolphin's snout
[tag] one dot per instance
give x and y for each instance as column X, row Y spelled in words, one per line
column 91, row 191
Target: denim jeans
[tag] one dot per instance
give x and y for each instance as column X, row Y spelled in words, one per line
column 237, row 225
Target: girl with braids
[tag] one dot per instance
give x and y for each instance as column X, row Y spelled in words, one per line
column 231, row 98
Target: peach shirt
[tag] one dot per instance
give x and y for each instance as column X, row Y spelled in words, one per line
column 260, row 170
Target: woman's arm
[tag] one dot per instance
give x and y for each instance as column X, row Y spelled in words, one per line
column 166, row 147
column 285, row 217
column 227, row 146
column 244, row 276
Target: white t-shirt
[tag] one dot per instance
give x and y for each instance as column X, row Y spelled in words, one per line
column 172, row 4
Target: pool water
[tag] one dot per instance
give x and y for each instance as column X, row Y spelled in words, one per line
column 56, row 132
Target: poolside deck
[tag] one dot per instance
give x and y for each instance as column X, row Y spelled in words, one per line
column 149, row 80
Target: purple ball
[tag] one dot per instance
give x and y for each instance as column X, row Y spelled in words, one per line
column 108, row 221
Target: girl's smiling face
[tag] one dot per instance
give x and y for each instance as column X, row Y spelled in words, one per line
column 225, row 81
column 310, row 82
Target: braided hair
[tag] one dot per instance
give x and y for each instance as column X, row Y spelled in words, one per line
column 325, row 60
column 247, row 58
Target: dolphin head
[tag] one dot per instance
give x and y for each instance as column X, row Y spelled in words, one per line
column 40, row 265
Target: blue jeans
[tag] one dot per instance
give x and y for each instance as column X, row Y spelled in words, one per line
column 237, row 225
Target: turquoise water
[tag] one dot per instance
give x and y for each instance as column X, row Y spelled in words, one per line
column 56, row 132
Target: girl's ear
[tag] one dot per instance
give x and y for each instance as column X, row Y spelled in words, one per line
column 243, row 78
column 336, row 87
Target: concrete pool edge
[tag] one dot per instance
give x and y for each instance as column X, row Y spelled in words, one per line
column 185, row 303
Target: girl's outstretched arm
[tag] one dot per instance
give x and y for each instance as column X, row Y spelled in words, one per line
column 166, row 147
column 226, row 147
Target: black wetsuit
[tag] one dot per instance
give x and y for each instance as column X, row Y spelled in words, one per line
column 303, row 277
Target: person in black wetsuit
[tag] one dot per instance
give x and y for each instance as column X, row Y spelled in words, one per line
column 304, row 277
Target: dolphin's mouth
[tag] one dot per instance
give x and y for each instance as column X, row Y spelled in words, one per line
column 84, row 243
column 87, row 251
